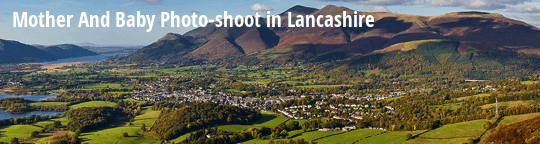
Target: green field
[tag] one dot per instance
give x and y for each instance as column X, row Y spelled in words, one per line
column 518, row 118
column 138, row 102
column 389, row 137
column 48, row 103
column 322, row 86
column 450, row 106
column 478, row 95
column 20, row 131
column 268, row 120
column 114, row 135
column 46, row 123
column 93, row 104
column 452, row 133
column 529, row 82
column 104, row 86
column 350, row 137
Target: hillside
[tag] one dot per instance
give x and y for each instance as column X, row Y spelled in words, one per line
column 66, row 51
column 16, row 52
column 312, row 43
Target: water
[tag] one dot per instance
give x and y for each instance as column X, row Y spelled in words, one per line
column 6, row 115
column 28, row 97
column 97, row 58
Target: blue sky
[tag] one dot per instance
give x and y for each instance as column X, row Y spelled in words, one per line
column 525, row 10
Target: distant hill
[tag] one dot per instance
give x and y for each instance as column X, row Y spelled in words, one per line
column 16, row 52
column 283, row 44
column 66, row 51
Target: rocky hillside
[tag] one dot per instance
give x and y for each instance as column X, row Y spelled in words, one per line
column 282, row 44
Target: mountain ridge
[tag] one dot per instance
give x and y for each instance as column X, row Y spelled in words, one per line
column 281, row 44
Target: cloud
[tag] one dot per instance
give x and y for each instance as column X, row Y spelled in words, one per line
column 152, row 2
column 128, row 4
column 259, row 7
column 524, row 8
column 374, row 2
column 377, row 9
column 194, row 11
column 466, row 4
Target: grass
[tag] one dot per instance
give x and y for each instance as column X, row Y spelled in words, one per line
column 436, row 141
column 518, row 118
column 312, row 135
column 478, row 95
column 458, row 130
column 20, row 131
column 450, row 106
column 268, row 120
column 322, row 86
column 452, row 133
column 48, row 103
column 136, row 135
column 528, row 82
column 389, row 137
column 47, row 123
column 508, row 104
column 350, row 137
column 93, row 104
column 138, row 102
column 104, row 86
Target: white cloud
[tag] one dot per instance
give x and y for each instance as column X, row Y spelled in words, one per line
column 524, row 8
column 152, row 2
column 467, row 4
column 374, row 2
column 259, row 7
column 377, row 9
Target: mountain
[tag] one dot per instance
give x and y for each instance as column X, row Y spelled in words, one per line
column 66, row 51
column 471, row 30
column 16, row 52
column 170, row 46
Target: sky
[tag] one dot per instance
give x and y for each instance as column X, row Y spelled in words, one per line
column 524, row 10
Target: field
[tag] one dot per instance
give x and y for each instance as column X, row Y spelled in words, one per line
column 114, row 134
column 268, row 120
column 104, row 86
column 517, row 118
column 508, row 104
column 388, row 137
column 93, row 104
column 46, row 123
column 48, row 103
column 478, row 95
column 452, row 133
column 322, row 86
column 20, row 131
column 529, row 82
column 450, row 106
column 327, row 137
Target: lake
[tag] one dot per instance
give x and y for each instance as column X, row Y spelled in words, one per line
column 28, row 97
column 6, row 115
column 96, row 58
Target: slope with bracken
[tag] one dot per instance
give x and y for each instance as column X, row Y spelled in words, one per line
column 280, row 44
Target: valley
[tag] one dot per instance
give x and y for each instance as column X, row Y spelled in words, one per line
column 463, row 77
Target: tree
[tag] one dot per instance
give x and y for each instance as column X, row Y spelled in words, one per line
column 143, row 127
column 34, row 134
column 409, row 136
column 14, row 140
column 57, row 124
